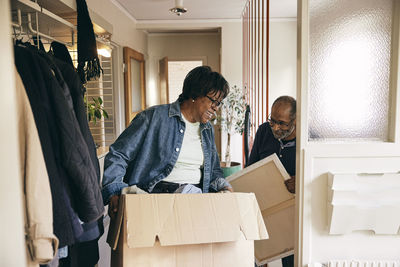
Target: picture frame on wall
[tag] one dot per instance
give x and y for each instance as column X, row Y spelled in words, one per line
column 134, row 83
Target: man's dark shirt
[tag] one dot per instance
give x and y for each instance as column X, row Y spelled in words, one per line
column 265, row 145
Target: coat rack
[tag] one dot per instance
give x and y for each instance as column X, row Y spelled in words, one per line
column 43, row 20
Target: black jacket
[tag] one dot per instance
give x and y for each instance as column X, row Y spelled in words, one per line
column 91, row 230
column 68, row 156
column 77, row 92
column 74, row 150
column 27, row 64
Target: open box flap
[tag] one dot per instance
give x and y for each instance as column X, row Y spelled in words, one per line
column 179, row 219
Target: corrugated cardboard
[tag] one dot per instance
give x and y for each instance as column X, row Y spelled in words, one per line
column 186, row 230
column 266, row 179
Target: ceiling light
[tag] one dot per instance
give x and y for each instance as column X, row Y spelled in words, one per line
column 178, row 9
column 104, row 52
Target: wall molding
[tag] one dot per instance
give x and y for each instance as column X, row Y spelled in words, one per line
column 124, row 10
column 153, row 34
column 186, row 21
column 282, row 19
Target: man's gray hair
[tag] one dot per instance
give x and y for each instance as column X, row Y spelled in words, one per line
column 285, row 99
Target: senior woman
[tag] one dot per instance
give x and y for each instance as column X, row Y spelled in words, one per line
column 167, row 146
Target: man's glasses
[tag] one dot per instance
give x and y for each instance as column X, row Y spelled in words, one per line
column 215, row 103
column 272, row 122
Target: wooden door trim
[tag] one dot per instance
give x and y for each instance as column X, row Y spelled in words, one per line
column 129, row 54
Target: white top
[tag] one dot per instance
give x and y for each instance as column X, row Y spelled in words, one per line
column 190, row 159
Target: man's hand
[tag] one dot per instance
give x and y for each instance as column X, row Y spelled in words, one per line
column 291, row 184
column 227, row 189
column 113, row 206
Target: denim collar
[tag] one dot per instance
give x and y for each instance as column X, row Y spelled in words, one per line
column 175, row 110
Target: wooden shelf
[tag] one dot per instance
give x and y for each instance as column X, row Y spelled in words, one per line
column 57, row 18
column 49, row 23
column 59, row 7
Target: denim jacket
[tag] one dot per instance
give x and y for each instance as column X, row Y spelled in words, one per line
column 146, row 152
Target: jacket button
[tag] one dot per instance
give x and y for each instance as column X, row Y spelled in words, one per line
column 177, row 149
column 181, row 130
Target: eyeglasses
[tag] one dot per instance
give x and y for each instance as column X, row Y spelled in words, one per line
column 272, row 122
column 215, row 103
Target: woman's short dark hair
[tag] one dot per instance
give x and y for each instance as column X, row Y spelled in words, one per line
column 202, row 80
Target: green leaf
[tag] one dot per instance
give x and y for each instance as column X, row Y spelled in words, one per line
column 95, row 110
column 105, row 114
column 97, row 113
column 91, row 113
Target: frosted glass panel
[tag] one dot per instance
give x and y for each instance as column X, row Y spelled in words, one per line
column 349, row 69
column 136, row 86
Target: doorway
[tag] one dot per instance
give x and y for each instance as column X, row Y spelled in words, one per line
column 172, row 74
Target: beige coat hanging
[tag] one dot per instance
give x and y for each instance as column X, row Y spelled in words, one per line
column 41, row 243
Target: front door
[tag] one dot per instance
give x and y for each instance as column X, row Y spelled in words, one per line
column 348, row 158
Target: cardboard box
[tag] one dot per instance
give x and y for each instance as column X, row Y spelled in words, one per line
column 266, row 179
column 171, row 230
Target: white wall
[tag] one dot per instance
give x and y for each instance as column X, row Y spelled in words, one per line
column 231, row 42
column 12, row 247
column 200, row 46
column 124, row 26
column 231, row 68
column 124, row 33
column 282, row 58
column 231, row 52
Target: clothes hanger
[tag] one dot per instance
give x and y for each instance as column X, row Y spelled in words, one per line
column 15, row 35
column 38, row 43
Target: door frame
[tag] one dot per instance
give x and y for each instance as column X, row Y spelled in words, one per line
column 129, row 54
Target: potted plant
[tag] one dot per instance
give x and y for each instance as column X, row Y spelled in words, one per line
column 95, row 109
column 232, row 121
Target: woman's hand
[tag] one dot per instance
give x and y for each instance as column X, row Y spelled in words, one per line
column 227, row 189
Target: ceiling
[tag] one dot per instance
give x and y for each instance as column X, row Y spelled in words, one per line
column 283, row 8
column 153, row 10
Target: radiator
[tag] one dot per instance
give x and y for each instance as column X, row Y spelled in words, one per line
column 358, row 263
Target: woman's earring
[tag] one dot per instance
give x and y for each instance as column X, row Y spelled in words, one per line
column 192, row 100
